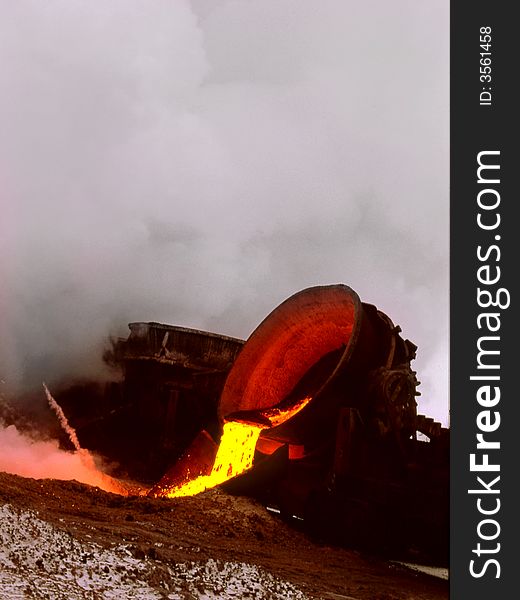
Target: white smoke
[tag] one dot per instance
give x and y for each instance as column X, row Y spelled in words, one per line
column 196, row 163
column 64, row 423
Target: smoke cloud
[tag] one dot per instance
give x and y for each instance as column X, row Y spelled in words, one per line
column 197, row 162
column 40, row 459
column 30, row 453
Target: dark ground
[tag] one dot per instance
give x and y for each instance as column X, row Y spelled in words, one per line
column 216, row 525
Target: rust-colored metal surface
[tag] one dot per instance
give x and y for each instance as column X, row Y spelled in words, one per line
column 291, row 340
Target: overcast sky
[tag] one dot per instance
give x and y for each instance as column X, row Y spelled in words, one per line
column 196, row 163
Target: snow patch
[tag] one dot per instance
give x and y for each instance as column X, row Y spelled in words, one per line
column 41, row 561
column 439, row 572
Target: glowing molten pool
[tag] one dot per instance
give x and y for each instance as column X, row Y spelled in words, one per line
column 235, row 453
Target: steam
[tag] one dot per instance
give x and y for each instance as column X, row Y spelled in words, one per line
column 70, row 431
column 44, row 459
column 25, row 456
column 196, row 163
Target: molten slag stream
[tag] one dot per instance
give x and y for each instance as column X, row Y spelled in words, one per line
column 235, row 453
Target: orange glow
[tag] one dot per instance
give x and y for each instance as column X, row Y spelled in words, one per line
column 234, row 456
column 277, row 416
column 87, row 470
column 235, row 453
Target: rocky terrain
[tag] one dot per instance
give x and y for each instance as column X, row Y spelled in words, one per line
column 66, row 540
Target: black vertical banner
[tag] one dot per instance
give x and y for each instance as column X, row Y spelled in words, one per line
column 485, row 332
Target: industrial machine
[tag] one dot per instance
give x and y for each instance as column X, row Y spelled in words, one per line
column 354, row 463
